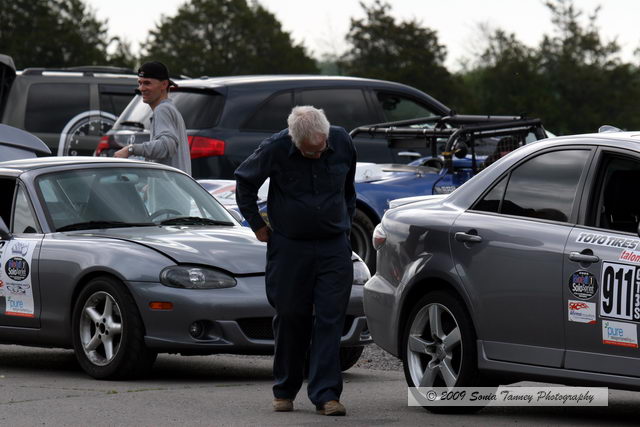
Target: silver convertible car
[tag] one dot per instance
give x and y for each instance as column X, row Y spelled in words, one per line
column 530, row 270
column 121, row 260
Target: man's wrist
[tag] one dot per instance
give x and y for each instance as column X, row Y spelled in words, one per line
column 130, row 149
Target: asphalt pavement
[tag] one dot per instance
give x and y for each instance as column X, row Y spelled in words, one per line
column 45, row 387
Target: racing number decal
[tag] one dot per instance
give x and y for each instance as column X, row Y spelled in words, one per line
column 620, row 291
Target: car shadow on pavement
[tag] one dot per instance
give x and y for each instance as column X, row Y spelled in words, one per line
column 168, row 367
column 619, row 412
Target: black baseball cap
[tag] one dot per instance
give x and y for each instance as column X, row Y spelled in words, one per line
column 155, row 70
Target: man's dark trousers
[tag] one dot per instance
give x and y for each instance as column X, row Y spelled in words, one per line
column 308, row 283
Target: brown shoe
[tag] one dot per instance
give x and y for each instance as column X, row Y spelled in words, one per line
column 332, row 407
column 282, row 405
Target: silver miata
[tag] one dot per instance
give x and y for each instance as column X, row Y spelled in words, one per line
column 122, row 260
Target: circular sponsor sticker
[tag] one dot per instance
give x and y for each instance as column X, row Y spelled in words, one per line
column 583, row 285
column 17, row 268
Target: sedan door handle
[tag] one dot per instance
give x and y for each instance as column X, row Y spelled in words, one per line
column 585, row 258
column 467, row 238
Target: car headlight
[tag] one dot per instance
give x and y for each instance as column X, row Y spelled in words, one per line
column 360, row 273
column 190, row 277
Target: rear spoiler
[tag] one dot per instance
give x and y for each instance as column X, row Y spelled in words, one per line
column 467, row 129
column 7, row 76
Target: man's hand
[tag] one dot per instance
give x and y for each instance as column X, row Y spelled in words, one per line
column 263, row 234
column 122, row 153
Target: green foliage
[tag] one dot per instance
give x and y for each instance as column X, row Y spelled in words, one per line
column 574, row 80
column 51, row 33
column 122, row 55
column 225, row 37
column 505, row 79
column 404, row 52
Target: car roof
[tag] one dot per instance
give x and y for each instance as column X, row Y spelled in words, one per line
column 632, row 136
column 19, row 166
column 257, row 79
column 291, row 81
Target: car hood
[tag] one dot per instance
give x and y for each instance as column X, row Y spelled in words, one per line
column 234, row 249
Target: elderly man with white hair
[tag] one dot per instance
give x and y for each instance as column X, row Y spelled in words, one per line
column 309, row 272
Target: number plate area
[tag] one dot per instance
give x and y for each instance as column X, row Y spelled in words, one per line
column 620, row 291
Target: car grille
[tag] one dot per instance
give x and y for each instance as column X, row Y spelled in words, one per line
column 260, row 328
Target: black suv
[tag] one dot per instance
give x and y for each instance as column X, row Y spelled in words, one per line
column 227, row 117
column 69, row 109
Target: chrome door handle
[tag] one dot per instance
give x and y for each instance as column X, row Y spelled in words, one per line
column 579, row 257
column 468, row 238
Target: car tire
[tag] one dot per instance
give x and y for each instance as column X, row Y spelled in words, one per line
column 349, row 356
column 361, row 235
column 108, row 333
column 439, row 341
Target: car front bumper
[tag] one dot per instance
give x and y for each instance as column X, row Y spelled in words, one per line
column 233, row 320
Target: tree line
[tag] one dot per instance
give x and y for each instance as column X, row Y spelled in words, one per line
column 574, row 79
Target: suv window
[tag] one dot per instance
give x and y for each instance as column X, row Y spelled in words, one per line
column 543, row 187
column 343, row 107
column 50, row 106
column 272, row 115
column 199, row 110
column 617, row 206
column 115, row 98
column 396, row 107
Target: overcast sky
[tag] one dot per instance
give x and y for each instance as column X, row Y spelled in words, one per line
column 322, row 24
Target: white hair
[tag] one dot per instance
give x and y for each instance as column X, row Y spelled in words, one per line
column 306, row 121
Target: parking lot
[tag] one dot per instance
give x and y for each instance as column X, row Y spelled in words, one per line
column 46, row 387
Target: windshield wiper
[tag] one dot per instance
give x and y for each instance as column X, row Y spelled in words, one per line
column 102, row 224
column 194, row 220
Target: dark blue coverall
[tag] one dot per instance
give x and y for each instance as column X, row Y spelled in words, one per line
column 309, row 272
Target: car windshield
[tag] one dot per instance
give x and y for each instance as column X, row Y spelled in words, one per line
column 108, row 197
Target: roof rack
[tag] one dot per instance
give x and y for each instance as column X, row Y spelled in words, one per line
column 86, row 70
column 463, row 127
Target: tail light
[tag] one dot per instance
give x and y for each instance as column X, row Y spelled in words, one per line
column 103, row 145
column 379, row 237
column 201, row 146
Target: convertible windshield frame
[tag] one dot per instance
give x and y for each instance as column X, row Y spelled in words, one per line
column 133, row 196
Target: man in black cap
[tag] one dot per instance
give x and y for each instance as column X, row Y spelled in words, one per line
column 168, row 144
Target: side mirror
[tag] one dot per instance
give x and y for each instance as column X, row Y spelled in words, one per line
column 460, row 150
column 5, row 234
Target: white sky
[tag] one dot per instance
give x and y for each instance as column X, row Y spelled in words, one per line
column 322, row 24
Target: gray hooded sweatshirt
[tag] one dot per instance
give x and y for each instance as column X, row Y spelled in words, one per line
column 168, row 144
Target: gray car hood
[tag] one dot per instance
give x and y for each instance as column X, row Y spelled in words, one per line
column 234, row 249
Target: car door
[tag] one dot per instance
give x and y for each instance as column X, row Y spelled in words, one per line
column 508, row 250
column 602, row 272
column 19, row 281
